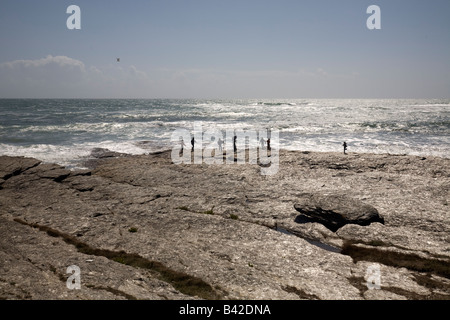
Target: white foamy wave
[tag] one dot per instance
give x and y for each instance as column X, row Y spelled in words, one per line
column 100, row 127
column 431, row 105
column 74, row 156
column 59, row 131
column 62, row 155
column 363, row 144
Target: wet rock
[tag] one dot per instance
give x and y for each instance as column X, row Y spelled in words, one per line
column 101, row 153
column 335, row 211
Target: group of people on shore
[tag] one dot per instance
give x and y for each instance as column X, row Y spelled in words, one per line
column 220, row 144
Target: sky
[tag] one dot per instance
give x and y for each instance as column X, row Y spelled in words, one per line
column 225, row 49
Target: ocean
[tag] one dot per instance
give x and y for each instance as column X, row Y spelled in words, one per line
column 65, row 131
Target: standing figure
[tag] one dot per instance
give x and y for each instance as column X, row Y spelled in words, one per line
column 220, row 143
column 192, row 143
column 182, row 145
column 345, row 147
column 262, row 142
column 234, row 143
column 268, row 144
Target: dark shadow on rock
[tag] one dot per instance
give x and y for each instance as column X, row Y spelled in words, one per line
column 332, row 225
column 335, row 211
column 301, row 218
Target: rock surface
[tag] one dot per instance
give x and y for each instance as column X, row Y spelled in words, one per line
column 15, row 166
column 136, row 225
column 335, row 211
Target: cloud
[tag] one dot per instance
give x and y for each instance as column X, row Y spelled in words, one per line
column 61, row 61
column 50, row 70
column 137, row 74
column 65, row 77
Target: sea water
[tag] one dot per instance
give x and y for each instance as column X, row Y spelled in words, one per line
column 66, row 131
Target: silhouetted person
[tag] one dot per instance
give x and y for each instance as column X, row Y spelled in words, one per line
column 345, row 147
column 182, row 144
column 192, row 143
column 234, row 143
column 220, row 143
column 268, row 144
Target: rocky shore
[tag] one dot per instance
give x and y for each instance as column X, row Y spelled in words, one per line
column 142, row 227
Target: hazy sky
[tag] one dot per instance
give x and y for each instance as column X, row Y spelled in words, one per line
column 225, row 49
